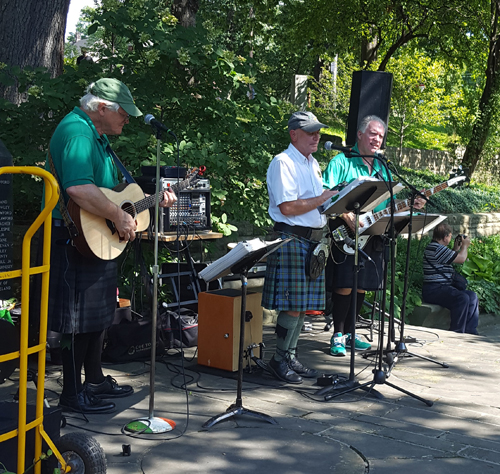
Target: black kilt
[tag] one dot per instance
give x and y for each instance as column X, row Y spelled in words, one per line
column 339, row 268
column 82, row 291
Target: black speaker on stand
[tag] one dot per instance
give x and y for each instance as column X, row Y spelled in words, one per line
column 370, row 95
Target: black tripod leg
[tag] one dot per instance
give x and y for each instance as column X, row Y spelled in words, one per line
column 233, row 411
column 442, row 364
column 348, row 387
column 427, row 402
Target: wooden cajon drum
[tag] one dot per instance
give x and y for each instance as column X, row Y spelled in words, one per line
column 219, row 319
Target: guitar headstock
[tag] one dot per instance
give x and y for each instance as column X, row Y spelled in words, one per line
column 195, row 173
column 459, row 176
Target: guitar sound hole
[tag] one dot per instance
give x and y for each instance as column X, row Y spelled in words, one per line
column 129, row 209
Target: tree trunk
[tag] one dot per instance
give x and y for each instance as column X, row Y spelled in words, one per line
column 368, row 53
column 185, row 11
column 488, row 102
column 32, row 34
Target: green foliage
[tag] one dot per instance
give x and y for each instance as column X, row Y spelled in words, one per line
column 221, row 225
column 466, row 199
column 177, row 74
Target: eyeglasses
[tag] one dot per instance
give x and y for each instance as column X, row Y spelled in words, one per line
column 125, row 116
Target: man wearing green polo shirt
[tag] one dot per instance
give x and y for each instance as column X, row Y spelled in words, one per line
column 339, row 272
column 82, row 291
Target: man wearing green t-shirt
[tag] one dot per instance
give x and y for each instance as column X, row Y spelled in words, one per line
column 82, row 291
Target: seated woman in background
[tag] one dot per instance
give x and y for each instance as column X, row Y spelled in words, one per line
column 438, row 272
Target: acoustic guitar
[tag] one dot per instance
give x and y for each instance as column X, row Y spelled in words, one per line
column 98, row 237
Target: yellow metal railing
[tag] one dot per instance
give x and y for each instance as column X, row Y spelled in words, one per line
column 45, row 217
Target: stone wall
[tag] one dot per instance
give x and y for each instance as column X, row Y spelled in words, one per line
column 482, row 224
column 442, row 162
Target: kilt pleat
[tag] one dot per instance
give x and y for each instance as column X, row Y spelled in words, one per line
column 339, row 269
column 82, row 291
column 286, row 287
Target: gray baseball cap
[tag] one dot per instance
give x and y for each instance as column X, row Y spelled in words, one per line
column 306, row 121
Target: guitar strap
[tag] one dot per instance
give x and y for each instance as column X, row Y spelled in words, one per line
column 120, row 166
column 68, row 222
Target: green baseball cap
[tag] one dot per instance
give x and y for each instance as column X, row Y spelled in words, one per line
column 116, row 91
column 306, row 121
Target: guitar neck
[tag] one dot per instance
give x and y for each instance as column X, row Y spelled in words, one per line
column 150, row 201
column 405, row 204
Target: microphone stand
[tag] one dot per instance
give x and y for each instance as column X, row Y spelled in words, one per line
column 151, row 423
column 379, row 376
column 400, row 347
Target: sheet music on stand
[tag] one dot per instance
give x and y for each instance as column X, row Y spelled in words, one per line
column 366, row 188
column 422, row 223
column 257, row 249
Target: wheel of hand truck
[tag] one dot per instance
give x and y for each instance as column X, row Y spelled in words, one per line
column 83, row 453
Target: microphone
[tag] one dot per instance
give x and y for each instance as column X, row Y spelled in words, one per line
column 150, row 120
column 344, row 149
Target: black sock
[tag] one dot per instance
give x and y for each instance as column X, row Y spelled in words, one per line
column 340, row 306
column 92, row 361
column 73, row 351
column 360, row 297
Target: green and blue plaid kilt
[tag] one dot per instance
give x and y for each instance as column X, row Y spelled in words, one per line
column 287, row 288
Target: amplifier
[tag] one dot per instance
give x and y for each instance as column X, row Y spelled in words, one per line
column 192, row 208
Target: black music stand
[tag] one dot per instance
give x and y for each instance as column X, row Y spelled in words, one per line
column 240, row 267
column 365, row 197
column 422, row 223
column 365, row 190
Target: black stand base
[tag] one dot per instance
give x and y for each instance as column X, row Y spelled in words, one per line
column 401, row 349
column 346, row 387
column 379, row 377
column 234, row 410
column 392, row 355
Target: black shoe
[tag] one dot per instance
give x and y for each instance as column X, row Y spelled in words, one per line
column 300, row 369
column 85, row 402
column 282, row 371
column 109, row 389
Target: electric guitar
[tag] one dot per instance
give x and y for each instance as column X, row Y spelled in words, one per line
column 98, row 237
column 341, row 231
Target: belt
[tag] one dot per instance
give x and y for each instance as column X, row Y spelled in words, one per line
column 58, row 223
column 300, row 231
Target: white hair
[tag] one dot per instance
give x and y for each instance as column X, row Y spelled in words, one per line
column 90, row 102
column 371, row 118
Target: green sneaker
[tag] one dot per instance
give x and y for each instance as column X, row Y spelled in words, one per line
column 359, row 345
column 337, row 347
